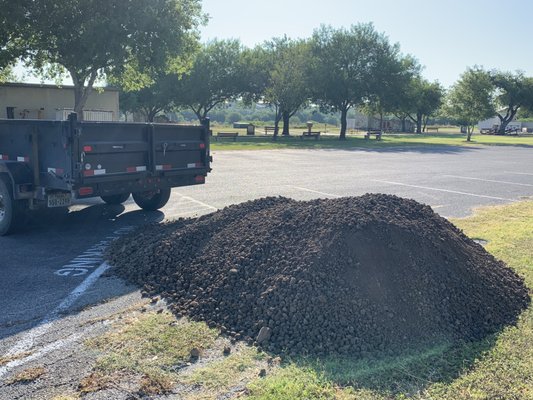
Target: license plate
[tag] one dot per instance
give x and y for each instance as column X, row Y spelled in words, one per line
column 61, row 199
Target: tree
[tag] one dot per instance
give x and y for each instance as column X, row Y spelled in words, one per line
column 349, row 67
column 214, row 78
column 390, row 95
column 470, row 99
column 234, row 117
column 12, row 24
column 287, row 89
column 511, row 92
column 275, row 73
column 7, row 75
column 423, row 98
column 149, row 100
column 89, row 38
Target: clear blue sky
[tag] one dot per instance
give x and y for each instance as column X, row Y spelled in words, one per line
column 445, row 36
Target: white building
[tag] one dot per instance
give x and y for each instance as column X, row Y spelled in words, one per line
column 36, row 101
column 494, row 122
column 364, row 121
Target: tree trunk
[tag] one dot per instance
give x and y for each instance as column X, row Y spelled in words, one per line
column 344, row 123
column 469, row 131
column 286, row 119
column 151, row 115
column 276, row 124
column 199, row 112
column 404, row 127
column 82, row 92
column 503, row 125
column 425, row 123
column 504, row 121
column 418, row 122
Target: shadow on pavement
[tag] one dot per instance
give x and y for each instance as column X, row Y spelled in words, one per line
column 30, row 289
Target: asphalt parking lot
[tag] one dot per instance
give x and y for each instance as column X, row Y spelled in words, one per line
column 55, row 267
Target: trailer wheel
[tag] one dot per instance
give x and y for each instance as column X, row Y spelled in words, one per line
column 11, row 211
column 116, row 198
column 152, row 200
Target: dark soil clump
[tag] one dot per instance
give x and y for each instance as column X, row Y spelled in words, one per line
column 344, row 276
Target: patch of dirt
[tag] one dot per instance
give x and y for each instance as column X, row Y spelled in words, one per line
column 375, row 273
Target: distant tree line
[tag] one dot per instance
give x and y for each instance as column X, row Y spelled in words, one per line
column 259, row 114
column 335, row 71
column 151, row 50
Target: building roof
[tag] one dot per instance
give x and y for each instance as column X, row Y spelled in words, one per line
column 49, row 86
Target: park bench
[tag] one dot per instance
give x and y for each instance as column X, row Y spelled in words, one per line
column 269, row 129
column 377, row 133
column 309, row 134
column 232, row 135
column 432, row 128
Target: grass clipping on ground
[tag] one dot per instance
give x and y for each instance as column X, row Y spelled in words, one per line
column 153, row 344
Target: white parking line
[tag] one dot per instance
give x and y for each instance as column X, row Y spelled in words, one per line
column 199, row 202
column 489, row 180
column 519, row 173
column 314, row 191
column 442, row 190
column 27, row 340
column 43, row 351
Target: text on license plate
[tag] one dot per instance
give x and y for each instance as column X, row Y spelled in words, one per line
column 59, row 199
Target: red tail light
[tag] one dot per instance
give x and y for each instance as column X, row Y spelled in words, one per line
column 85, row 191
column 87, row 149
column 199, row 179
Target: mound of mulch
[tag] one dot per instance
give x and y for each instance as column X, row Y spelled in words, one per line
column 344, row 276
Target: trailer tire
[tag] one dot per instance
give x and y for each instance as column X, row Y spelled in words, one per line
column 12, row 212
column 116, row 199
column 153, row 200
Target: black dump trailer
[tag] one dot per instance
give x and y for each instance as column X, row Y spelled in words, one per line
column 52, row 163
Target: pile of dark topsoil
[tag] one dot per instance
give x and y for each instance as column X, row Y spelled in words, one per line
column 345, row 276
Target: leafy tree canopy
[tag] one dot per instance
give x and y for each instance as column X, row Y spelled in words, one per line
column 287, row 84
column 351, row 66
column 215, row 77
column 89, row 38
column 512, row 91
column 470, row 99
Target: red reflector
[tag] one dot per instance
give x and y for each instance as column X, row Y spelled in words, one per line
column 87, row 148
column 85, row 191
column 202, row 145
column 199, row 179
column 88, row 172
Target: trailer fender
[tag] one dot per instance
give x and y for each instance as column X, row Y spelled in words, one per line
column 19, row 173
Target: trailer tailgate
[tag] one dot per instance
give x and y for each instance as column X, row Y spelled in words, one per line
column 109, row 152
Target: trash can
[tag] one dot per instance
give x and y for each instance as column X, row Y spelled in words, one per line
column 250, row 129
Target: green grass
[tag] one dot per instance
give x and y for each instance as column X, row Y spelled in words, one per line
column 220, row 375
column 292, row 382
column 331, row 141
column 150, row 344
column 500, row 367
